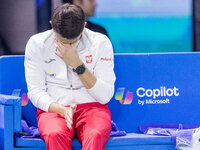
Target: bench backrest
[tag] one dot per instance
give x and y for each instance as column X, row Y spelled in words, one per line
column 150, row 88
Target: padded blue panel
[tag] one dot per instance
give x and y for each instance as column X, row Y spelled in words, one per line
column 29, row 142
column 129, row 140
column 12, row 73
column 12, row 77
column 2, row 126
column 142, row 147
column 140, row 139
column 10, row 100
column 151, row 72
column 135, row 147
column 16, row 103
column 30, row 148
column 38, row 142
column 6, row 127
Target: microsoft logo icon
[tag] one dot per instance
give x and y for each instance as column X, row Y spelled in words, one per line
column 124, row 96
column 20, row 93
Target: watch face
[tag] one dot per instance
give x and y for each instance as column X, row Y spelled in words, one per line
column 80, row 69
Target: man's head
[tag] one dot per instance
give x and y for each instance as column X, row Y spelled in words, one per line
column 88, row 6
column 68, row 21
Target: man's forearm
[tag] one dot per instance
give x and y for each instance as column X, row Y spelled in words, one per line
column 88, row 79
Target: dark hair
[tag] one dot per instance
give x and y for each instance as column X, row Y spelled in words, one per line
column 68, row 1
column 68, row 20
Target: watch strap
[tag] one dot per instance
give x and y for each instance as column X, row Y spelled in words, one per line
column 80, row 69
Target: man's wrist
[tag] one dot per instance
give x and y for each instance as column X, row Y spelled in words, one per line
column 62, row 111
column 78, row 63
column 57, row 108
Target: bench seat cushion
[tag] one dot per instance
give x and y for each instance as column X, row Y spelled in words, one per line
column 130, row 140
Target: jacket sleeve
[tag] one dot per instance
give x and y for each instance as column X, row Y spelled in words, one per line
column 35, row 76
column 103, row 89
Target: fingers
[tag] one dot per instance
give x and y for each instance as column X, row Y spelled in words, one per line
column 61, row 48
column 68, row 121
column 61, row 45
column 69, row 125
column 73, row 106
column 70, row 113
column 69, row 117
column 57, row 52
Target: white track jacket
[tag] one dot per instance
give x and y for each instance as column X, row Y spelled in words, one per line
column 50, row 80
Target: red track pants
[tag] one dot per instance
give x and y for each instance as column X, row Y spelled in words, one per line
column 91, row 122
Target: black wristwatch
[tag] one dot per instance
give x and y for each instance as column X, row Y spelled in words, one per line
column 80, row 69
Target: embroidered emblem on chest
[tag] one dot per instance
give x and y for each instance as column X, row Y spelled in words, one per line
column 88, row 59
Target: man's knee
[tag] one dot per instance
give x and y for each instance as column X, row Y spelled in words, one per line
column 57, row 136
column 98, row 135
column 95, row 139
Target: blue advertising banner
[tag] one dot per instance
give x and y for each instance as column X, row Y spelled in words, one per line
column 156, row 88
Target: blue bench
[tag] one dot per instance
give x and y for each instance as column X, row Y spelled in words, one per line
column 150, row 88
